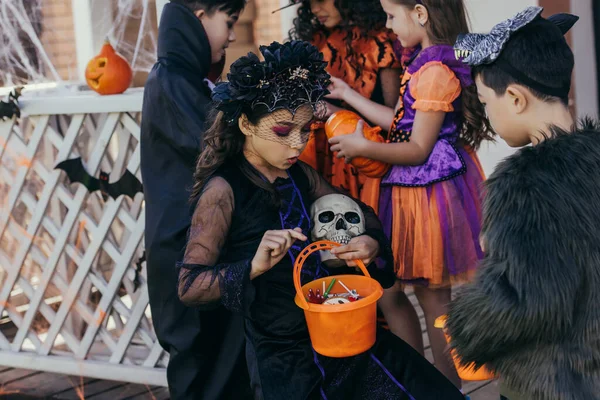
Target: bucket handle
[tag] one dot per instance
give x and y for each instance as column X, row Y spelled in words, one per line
column 308, row 250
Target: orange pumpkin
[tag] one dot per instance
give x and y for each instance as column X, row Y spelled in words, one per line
column 343, row 123
column 108, row 72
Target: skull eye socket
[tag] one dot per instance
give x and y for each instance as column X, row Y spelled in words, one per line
column 352, row 217
column 326, row 217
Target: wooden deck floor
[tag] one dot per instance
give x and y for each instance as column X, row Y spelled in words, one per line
column 25, row 384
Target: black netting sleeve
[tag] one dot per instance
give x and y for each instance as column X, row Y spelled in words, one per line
column 203, row 282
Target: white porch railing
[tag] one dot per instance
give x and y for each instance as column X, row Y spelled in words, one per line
column 67, row 257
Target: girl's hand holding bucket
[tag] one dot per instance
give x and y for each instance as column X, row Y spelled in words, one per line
column 363, row 248
column 272, row 248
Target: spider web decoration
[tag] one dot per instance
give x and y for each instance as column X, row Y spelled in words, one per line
column 26, row 30
column 21, row 54
column 140, row 52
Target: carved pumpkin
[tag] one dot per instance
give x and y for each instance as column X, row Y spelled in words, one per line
column 108, row 72
column 343, row 123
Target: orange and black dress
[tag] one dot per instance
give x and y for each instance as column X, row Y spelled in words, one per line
column 359, row 69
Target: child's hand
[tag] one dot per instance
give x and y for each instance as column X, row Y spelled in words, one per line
column 363, row 248
column 337, row 89
column 351, row 145
column 330, row 109
column 272, row 248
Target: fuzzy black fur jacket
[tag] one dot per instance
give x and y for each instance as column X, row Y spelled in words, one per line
column 532, row 314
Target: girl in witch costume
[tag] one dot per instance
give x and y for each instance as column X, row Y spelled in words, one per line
column 251, row 221
column 359, row 50
column 429, row 201
column 531, row 314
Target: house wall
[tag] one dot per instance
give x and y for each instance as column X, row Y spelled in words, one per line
column 584, row 48
column 58, row 37
column 245, row 32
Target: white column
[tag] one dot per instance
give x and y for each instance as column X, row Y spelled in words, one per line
column 484, row 14
column 84, row 38
column 159, row 7
column 287, row 18
column 92, row 21
column 586, row 88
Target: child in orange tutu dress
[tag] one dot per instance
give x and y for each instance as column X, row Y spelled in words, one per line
column 361, row 53
column 429, row 201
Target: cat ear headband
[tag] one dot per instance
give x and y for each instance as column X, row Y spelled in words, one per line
column 477, row 49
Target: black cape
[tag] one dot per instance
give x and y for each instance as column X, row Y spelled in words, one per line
column 206, row 357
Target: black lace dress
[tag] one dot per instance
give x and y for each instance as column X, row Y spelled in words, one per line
column 231, row 217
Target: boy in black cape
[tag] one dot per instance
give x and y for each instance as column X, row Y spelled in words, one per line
column 206, row 348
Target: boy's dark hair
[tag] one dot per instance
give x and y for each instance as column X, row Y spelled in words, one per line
column 540, row 52
column 211, row 6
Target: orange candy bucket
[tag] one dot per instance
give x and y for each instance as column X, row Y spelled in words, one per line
column 339, row 330
column 468, row 373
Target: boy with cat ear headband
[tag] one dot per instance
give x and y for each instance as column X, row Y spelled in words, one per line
column 531, row 314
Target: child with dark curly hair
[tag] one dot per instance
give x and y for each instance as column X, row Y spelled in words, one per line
column 250, row 224
column 359, row 50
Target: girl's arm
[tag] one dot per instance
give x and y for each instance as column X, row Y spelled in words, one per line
column 389, row 79
column 426, row 130
column 202, row 280
column 376, row 113
column 434, row 87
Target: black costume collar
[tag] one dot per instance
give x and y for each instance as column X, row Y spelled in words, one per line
column 182, row 42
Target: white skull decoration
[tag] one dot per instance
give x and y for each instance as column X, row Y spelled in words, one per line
column 336, row 218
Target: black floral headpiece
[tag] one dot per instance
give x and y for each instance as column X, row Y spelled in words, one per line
column 292, row 75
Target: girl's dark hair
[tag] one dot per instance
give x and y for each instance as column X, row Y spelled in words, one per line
column 367, row 15
column 223, row 142
column 210, row 6
column 447, row 20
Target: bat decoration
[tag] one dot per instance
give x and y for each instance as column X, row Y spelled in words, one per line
column 138, row 270
column 128, row 184
column 11, row 108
